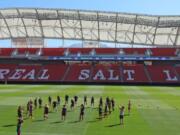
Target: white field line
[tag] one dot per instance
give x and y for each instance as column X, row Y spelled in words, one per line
column 35, row 133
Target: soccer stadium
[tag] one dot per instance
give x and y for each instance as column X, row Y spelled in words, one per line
column 114, row 73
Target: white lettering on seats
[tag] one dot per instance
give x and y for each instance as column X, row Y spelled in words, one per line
column 112, row 76
column 168, row 76
column 3, row 73
column 17, row 74
column 99, row 75
column 30, row 75
column 84, row 74
column 129, row 74
column 44, row 75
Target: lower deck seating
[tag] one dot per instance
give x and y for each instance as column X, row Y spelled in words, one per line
column 136, row 73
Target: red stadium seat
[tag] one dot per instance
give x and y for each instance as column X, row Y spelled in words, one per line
column 100, row 51
column 84, row 51
column 52, row 72
column 163, row 51
column 5, row 51
column 178, row 70
column 162, row 74
column 107, row 51
column 139, row 51
column 74, row 74
column 53, row 51
column 134, row 73
column 25, row 50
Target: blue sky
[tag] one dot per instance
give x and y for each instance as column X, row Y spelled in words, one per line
column 162, row 7
column 155, row 7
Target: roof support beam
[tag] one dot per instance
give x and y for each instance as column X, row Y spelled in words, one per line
column 80, row 21
column 98, row 29
column 177, row 36
column 40, row 24
column 134, row 30
column 10, row 34
column 157, row 24
column 60, row 22
column 116, row 29
column 22, row 22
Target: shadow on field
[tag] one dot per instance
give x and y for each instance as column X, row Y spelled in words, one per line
column 92, row 121
column 51, row 112
column 96, row 120
column 126, row 114
column 71, row 122
column 56, row 122
column 38, row 120
column 114, row 125
column 10, row 125
column 69, row 111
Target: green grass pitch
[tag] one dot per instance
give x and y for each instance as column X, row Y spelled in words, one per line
column 155, row 110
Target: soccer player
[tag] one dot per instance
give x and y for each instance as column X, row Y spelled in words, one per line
column 19, row 124
column 107, row 101
column 58, row 100
column 40, row 102
column 30, row 101
column 46, row 112
column 112, row 103
column 129, row 107
column 72, row 104
column 35, row 103
column 81, row 117
column 66, row 99
column 55, row 105
column 100, row 112
column 92, row 101
column 20, row 112
column 105, row 110
column 27, row 108
column 50, row 100
column 63, row 113
column 121, row 116
column 30, row 109
column 109, row 107
column 101, row 101
column 85, row 100
column 75, row 99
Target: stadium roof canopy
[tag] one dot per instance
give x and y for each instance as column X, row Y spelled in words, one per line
column 90, row 25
